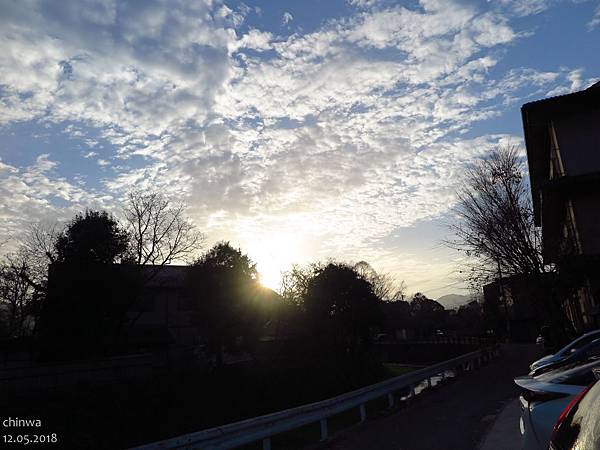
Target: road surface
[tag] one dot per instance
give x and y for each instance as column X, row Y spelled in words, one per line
column 454, row 417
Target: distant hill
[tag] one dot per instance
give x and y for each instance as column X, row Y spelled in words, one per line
column 452, row 301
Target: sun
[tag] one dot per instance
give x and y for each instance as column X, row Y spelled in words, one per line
column 274, row 254
column 270, row 276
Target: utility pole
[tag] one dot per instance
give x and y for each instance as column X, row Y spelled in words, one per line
column 504, row 299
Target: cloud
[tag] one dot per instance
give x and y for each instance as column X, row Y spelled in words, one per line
column 255, row 40
column 32, row 194
column 148, row 73
column 287, row 18
column 526, row 7
column 338, row 136
column 592, row 24
column 363, row 3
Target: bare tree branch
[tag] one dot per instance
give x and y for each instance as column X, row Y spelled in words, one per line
column 160, row 232
column 496, row 219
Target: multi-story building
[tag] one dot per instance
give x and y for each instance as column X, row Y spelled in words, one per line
column 562, row 136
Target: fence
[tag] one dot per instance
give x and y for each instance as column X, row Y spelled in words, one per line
column 264, row 427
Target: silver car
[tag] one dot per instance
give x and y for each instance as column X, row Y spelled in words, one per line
column 545, row 396
column 564, row 352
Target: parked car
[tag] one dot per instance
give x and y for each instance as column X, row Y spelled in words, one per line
column 578, row 426
column 567, row 350
column 583, row 353
column 545, row 396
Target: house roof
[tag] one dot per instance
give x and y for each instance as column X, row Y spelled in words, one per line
column 152, row 276
column 536, row 117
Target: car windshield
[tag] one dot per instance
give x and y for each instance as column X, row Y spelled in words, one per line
column 579, row 343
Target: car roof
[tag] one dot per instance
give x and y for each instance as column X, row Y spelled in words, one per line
column 589, row 333
column 583, row 349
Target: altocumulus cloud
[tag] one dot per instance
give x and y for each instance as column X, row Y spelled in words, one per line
column 342, row 134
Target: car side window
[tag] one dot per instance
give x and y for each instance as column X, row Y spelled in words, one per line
column 584, row 342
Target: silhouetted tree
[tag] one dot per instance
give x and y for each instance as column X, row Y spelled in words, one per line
column 24, row 274
column 223, row 288
column 341, row 306
column 295, row 282
column 385, row 286
column 17, row 298
column 36, row 250
column 427, row 315
column 467, row 320
column 496, row 230
column 159, row 234
column 94, row 237
column 396, row 316
column 159, row 231
column 496, row 218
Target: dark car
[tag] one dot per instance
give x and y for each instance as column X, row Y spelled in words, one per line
column 578, row 426
column 575, row 354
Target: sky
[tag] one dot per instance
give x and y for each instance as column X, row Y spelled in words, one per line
column 299, row 131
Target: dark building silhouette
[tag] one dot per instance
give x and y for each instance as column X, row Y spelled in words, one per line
column 562, row 136
column 509, row 307
column 124, row 308
column 100, row 308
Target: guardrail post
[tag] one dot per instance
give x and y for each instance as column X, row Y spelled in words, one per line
column 363, row 413
column 267, row 443
column 324, row 433
column 390, row 397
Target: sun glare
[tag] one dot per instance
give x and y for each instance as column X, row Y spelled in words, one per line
column 276, row 254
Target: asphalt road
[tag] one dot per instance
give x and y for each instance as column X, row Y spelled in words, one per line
column 453, row 417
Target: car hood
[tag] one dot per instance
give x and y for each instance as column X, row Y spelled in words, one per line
column 543, row 361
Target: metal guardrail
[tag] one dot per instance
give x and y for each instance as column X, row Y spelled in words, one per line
column 264, row 427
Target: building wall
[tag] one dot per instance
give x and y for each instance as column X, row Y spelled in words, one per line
column 563, row 150
column 524, row 322
column 586, row 206
column 166, row 307
column 578, row 137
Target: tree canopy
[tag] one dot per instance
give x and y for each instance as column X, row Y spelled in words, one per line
column 427, row 315
column 341, row 305
column 222, row 286
column 92, row 237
